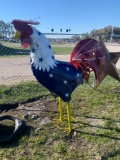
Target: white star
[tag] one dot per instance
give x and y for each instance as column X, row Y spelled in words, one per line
column 78, row 74
column 66, row 95
column 67, row 69
column 50, row 75
column 65, row 82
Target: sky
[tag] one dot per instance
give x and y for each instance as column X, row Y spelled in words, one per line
column 80, row 16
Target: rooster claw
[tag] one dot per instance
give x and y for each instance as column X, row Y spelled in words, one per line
column 64, row 130
column 60, row 120
column 68, row 130
column 57, row 120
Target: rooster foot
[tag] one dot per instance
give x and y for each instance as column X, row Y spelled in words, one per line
column 69, row 130
column 57, row 120
column 73, row 119
column 65, row 130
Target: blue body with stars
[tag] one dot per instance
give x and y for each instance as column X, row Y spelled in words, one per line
column 62, row 80
column 57, row 76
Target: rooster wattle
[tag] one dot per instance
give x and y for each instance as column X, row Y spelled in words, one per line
column 58, row 76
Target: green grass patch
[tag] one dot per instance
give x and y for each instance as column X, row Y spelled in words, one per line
column 11, row 49
column 22, row 92
column 98, row 111
column 62, row 50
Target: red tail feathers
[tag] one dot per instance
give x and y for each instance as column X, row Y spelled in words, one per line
column 88, row 55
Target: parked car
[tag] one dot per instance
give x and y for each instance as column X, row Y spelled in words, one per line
column 6, row 39
column 12, row 40
column 70, row 40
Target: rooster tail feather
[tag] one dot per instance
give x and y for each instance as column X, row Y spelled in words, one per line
column 88, row 55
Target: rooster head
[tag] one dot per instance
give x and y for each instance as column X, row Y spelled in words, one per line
column 23, row 31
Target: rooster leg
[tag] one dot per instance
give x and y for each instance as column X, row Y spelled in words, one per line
column 69, row 128
column 60, row 111
column 69, row 120
column 69, row 117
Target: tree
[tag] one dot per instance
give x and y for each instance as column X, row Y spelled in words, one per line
column 9, row 29
column 85, row 35
column 93, row 32
column 116, row 30
column 76, row 37
column 2, row 26
column 6, row 29
column 106, row 30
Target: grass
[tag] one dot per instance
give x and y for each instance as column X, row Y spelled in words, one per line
column 97, row 111
column 15, row 49
column 21, row 93
column 62, row 51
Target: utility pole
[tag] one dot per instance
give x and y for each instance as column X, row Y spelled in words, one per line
column 111, row 34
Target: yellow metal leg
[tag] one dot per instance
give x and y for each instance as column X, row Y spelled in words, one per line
column 60, row 119
column 69, row 117
column 60, row 109
column 69, row 128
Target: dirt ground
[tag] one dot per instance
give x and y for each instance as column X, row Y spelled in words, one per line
column 39, row 112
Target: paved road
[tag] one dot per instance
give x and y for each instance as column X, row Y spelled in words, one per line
column 15, row 69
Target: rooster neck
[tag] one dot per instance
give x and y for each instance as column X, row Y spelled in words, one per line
column 41, row 52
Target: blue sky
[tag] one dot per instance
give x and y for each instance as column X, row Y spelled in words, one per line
column 80, row 16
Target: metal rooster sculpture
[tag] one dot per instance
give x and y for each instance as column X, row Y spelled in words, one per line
column 63, row 77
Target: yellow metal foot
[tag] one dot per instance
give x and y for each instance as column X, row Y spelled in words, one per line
column 65, row 130
column 57, row 120
column 69, row 130
column 73, row 119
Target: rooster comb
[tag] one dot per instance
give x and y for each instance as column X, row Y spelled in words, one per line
column 24, row 21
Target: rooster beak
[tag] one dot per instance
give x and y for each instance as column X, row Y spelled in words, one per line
column 17, row 35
